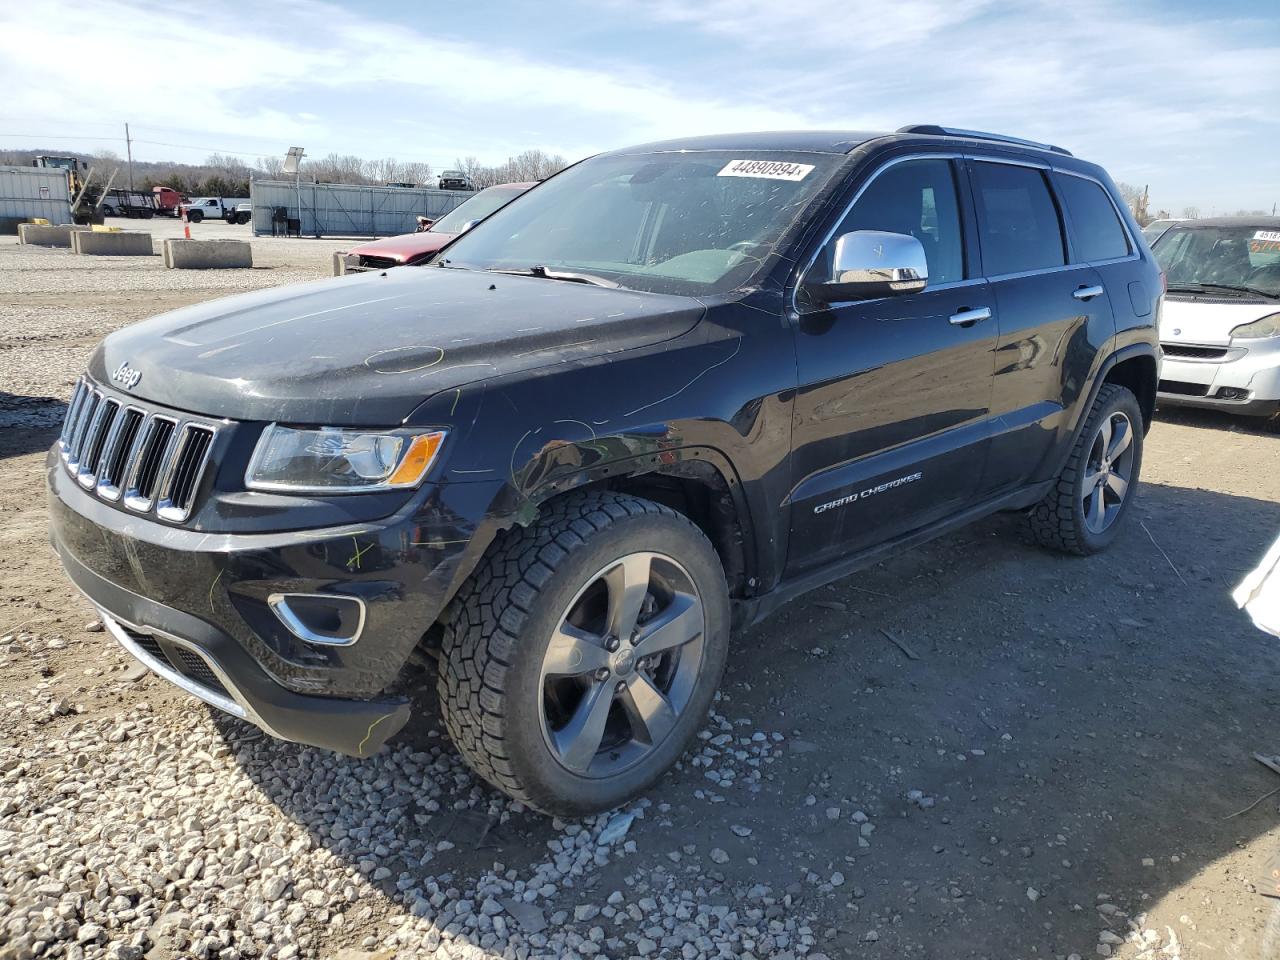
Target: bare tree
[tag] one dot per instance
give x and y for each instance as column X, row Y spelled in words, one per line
column 530, row 165
column 416, row 172
column 535, row 165
column 271, row 168
column 1191, row 213
column 231, row 166
column 473, row 170
column 229, row 175
column 336, row 168
column 386, row 170
column 1137, row 202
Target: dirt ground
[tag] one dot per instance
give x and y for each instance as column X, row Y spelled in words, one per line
column 1053, row 761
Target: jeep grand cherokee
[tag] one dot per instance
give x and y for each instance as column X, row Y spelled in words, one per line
column 654, row 398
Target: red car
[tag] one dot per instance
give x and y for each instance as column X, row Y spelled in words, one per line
column 412, row 248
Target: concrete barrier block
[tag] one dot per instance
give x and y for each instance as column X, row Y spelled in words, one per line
column 111, row 244
column 43, row 235
column 339, row 263
column 207, row 254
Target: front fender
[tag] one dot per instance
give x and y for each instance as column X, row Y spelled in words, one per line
column 713, row 397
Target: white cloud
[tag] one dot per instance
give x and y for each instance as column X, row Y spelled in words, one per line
column 839, row 25
column 1184, row 101
column 1143, row 89
column 221, row 78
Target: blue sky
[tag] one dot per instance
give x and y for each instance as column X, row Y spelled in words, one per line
column 1181, row 95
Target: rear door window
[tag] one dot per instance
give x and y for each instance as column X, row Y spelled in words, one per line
column 1018, row 223
column 1096, row 232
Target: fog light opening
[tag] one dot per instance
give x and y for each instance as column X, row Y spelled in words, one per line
column 320, row 618
column 1232, row 393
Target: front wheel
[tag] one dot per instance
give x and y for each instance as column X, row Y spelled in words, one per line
column 582, row 655
column 194, row 216
column 1084, row 510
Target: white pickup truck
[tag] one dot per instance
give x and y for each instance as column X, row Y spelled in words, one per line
column 230, row 209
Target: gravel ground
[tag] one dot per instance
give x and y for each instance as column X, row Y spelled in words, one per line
column 1052, row 772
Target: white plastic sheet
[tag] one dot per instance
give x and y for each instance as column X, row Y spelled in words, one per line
column 1259, row 592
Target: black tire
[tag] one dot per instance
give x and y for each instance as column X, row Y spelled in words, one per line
column 107, row 211
column 244, row 217
column 1059, row 520
column 194, row 216
column 497, row 632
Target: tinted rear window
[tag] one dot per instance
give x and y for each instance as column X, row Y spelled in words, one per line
column 1096, row 233
column 1017, row 219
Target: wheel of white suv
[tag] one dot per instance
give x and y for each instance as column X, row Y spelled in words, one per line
column 1084, row 510
column 583, row 653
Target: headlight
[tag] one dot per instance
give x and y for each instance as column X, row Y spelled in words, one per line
column 336, row 460
column 1258, row 329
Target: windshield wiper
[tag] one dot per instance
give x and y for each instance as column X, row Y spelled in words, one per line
column 1234, row 288
column 538, row 270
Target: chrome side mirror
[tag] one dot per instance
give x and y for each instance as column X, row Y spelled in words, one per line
column 873, row 263
column 469, row 224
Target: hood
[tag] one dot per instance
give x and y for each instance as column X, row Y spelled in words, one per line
column 366, row 350
column 406, row 246
column 1210, row 323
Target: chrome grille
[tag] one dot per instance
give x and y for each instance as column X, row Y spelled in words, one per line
column 152, row 461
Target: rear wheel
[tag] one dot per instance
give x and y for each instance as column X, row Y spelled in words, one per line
column 1084, row 510
column 583, row 653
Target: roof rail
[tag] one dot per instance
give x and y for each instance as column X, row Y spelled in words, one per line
column 935, row 131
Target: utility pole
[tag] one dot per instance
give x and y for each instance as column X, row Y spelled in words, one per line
column 128, row 146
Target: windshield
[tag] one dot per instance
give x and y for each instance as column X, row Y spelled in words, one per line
column 690, row 223
column 1240, row 257
column 477, row 208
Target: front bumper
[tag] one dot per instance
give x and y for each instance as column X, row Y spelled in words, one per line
column 1245, row 380
column 346, row 263
column 176, row 593
column 206, row 663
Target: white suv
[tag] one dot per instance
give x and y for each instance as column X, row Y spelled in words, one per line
column 1220, row 329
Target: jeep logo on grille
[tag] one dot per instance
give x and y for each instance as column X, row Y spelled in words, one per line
column 126, row 376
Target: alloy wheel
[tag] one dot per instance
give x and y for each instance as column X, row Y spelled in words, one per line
column 621, row 665
column 1108, row 472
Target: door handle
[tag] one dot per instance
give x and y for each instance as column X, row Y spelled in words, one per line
column 1087, row 293
column 967, row 317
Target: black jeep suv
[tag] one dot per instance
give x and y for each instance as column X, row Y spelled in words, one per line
column 657, row 396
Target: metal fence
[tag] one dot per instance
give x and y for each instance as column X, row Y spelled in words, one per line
column 34, row 192
column 348, row 210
